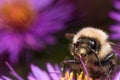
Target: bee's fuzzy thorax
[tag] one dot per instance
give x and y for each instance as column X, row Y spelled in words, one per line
column 97, row 34
column 105, row 50
column 100, row 35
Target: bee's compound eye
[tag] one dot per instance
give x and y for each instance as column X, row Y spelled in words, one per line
column 92, row 43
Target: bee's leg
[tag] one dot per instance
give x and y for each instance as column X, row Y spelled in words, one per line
column 112, row 67
column 63, row 69
column 108, row 59
column 64, row 65
column 111, row 63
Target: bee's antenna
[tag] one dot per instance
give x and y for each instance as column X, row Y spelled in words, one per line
column 63, row 69
column 97, row 59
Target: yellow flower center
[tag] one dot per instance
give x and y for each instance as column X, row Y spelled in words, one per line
column 70, row 76
column 17, row 14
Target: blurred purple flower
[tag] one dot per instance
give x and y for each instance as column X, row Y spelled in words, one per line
column 115, row 28
column 39, row 74
column 30, row 24
column 115, row 15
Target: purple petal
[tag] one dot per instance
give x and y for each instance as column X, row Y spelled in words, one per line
column 117, row 4
column 13, row 44
column 50, row 40
column 116, row 31
column 46, row 28
column 30, row 77
column 2, row 47
column 59, row 12
column 2, row 2
column 115, row 27
column 53, row 20
column 33, row 42
column 117, row 76
column 114, row 36
column 5, row 78
column 115, row 16
column 57, row 68
column 13, row 72
column 40, row 4
column 38, row 73
column 43, row 25
column 50, row 69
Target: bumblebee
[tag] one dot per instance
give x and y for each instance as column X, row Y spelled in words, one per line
column 92, row 46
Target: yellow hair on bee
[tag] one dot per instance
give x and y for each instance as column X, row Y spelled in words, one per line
column 105, row 50
column 99, row 35
column 93, row 33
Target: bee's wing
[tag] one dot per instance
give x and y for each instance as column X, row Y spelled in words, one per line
column 116, row 48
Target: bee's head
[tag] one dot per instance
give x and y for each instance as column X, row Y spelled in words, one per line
column 84, row 46
column 93, row 38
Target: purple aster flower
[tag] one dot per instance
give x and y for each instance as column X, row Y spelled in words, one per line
column 39, row 74
column 12, row 72
column 52, row 73
column 115, row 28
column 115, row 15
column 30, row 24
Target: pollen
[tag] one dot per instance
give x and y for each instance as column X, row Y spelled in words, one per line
column 17, row 14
